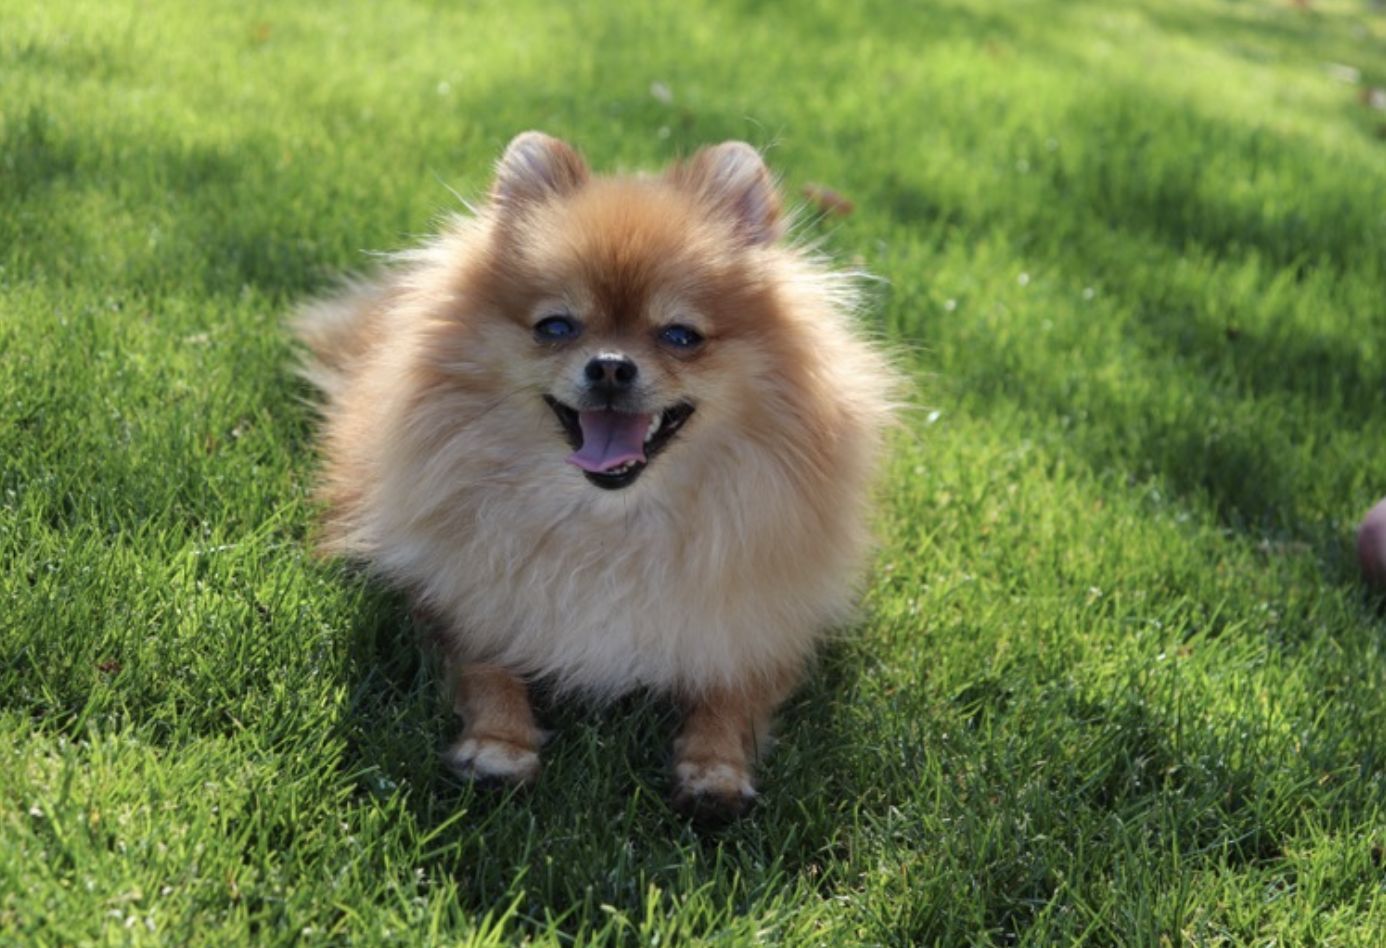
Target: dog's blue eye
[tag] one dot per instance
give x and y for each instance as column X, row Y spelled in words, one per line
column 556, row 329
column 680, row 337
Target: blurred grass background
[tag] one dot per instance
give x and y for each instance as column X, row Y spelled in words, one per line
column 1116, row 680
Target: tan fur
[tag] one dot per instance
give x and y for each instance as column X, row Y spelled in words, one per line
column 500, row 738
column 719, row 569
column 725, row 731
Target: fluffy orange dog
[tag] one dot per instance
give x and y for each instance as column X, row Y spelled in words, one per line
column 613, row 434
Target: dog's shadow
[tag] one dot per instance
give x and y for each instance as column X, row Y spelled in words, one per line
column 598, row 827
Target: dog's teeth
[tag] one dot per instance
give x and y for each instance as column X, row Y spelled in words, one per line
column 654, row 426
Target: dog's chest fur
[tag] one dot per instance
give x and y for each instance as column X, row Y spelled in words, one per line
column 664, row 586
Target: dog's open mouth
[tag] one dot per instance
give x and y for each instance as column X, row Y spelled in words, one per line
column 613, row 447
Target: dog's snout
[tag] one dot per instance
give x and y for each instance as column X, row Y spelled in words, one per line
column 611, row 372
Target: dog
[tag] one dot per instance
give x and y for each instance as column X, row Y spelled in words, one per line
column 611, row 433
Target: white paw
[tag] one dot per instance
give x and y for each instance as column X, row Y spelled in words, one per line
column 486, row 758
column 719, row 781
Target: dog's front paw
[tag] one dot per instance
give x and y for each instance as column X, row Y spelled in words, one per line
column 493, row 760
column 712, row 792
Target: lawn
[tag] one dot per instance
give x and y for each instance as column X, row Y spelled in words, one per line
column 1115, row 680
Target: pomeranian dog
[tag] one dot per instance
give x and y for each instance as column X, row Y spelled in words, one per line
column 609, row 433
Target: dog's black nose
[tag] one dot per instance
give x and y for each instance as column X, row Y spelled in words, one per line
column 611, row 372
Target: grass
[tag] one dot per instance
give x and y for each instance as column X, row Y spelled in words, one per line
column 1116, row 679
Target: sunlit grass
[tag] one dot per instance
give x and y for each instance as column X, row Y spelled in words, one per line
column 1115, row 679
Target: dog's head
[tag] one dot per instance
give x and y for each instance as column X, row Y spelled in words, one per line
column 642, row 311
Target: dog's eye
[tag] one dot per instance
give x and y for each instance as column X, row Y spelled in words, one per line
column 556, row 329
column 680, row 336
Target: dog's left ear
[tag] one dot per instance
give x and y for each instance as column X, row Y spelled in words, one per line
column 734, row 180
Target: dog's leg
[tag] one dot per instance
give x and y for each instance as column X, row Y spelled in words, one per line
column 725, row 732
column 500, row 740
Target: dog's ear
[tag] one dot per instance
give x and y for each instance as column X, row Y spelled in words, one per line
column 534, row 168
column 733, row 179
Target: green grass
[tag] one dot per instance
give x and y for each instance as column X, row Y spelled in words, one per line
column 1116, row 679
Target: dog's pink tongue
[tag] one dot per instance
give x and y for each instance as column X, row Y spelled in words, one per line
column 610, row 439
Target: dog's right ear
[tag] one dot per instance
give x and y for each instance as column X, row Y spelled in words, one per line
column 536, row 167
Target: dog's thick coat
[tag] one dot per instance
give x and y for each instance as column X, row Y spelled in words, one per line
column 712, row 576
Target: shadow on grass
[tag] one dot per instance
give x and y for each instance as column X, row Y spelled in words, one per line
column 597, row 829
column 1224, row 390
column 1197, row 198
column 942, row 22
column 205, row 213
column 1278, row 32
column 36, row 154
